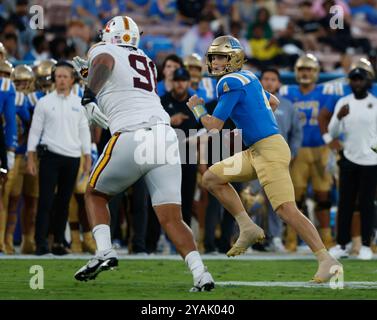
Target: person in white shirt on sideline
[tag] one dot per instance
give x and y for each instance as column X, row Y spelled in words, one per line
column 356, row 117
column 60, row 133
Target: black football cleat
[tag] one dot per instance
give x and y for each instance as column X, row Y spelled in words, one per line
column 101, row 262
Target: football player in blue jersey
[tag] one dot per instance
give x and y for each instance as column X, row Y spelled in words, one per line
column 204, row 87
column 19, row 182
column 311, row 162
column 242, row 98
column 8, row 111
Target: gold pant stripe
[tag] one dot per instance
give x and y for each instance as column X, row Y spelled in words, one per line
column 105, row 160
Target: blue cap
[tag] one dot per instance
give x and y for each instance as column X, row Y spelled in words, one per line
column 181, row 74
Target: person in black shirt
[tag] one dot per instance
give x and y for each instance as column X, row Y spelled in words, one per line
column 181, row 118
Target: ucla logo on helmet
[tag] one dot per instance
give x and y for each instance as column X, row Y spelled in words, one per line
column 235, row 44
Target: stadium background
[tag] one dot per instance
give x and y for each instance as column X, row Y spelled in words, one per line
column 71, row 27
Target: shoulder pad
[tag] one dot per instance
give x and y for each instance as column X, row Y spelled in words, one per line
column 230, row 82
column 95, row 46
column 20, row 98
column 5, row 84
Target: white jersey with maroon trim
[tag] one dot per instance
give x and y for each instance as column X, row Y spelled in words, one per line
column 129, row 98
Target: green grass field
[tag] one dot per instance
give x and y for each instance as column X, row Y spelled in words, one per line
column 166, row 280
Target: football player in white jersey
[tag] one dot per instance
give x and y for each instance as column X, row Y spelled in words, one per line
column 121, row 92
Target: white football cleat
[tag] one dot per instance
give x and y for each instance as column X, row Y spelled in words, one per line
column 365, row 253
column 337, row 252
column 204, row 282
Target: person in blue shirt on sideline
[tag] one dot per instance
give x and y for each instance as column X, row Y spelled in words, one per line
column 242, row 99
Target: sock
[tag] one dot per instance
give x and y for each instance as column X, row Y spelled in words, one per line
column 243, row 220
column 322, row 255
column 195, row 263
column 102, row 236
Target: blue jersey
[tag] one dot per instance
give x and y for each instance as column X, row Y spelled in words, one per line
column 208, row 88
column 23, row 108
column 8, row 110
column 34, row 97
column 242, row 99
column 341, row 89
column 308, row 106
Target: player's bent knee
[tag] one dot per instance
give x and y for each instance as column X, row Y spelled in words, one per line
column 210, row 180
column 287, row 210
column 168, row 213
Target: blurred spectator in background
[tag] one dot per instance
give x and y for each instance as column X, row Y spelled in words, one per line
column 340, row 39
column 138, row 6
column 170, row 64
column 321, row 11
column 111, row 8
column 10, row 41
column 22, row 20
column 236, row 31
column 367, row 9
column 87, row 12
column 309, row 25
column 198, row 38
column 288, row 42
column 265, row 52
column 162, row 10
column 78, row 34
column 188, row 11
column 262, row 22
column 62, row 49
column 39, row 50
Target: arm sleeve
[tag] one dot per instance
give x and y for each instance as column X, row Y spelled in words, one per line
column 226, row 103
column 295, row 137
column 268, row 95
column 10, row 119
column 36, row 127
column 84, row 133
column 335, row 124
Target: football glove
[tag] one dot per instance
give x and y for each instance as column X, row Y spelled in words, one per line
column 81, row 66
column 94, row 114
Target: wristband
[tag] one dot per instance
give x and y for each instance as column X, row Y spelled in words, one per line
column 327, row 138
column 199, row 111
column 88, row 97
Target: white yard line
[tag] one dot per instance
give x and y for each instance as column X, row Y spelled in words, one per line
column 349, row 284
column 125, row 256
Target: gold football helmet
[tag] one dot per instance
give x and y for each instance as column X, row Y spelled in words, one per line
column 42, row 71
column 22, row 76
column 308, row 61
column 226, row 46
column 6, row 68
column 365, row 64
column 3, row 52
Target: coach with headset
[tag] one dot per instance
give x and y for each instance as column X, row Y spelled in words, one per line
column 59, row 135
